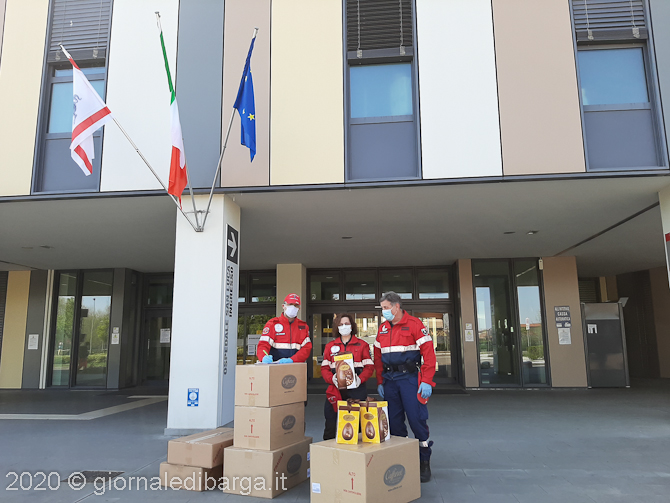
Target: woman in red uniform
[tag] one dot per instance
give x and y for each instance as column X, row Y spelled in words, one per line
column 347, row 342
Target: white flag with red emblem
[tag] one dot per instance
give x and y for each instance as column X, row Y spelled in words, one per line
column 90, row 114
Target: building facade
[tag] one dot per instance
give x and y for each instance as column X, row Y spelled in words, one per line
column 495, row 162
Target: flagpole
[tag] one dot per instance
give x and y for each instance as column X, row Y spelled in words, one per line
column 152, row 170
column 223, row 150
column 188, row 175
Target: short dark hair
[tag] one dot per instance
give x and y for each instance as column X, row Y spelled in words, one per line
column 338, row 319
column 392, row 297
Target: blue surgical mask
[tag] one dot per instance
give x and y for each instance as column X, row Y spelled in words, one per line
column 386, row 313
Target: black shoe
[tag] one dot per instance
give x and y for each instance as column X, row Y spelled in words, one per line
column 424, row 470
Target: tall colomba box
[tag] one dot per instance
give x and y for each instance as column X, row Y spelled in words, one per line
column 269, row 385
column 387, row 472
column 269, row 428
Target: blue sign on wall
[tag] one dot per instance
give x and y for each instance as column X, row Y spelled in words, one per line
column 193, row 397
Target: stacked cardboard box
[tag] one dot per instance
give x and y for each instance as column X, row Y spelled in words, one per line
column 270, row 453
column 195, row 462
column 386, row 472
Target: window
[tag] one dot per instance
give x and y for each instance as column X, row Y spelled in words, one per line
column 82, row 26
column 355, row 286
column 382, row 136
column 257, row 287
column 80, row 340
column 622, row 126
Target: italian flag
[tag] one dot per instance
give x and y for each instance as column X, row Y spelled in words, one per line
column 178, row 178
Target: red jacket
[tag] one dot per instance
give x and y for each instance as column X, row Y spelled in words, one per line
column 406, row 341
column 362, row 361
column 284, row 339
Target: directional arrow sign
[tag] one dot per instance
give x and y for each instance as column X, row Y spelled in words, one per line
column 233, row 240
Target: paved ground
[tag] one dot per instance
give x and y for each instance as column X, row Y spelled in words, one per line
column 502, row 446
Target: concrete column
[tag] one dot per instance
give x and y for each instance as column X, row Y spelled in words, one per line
column 14, row 331
column 292, row 278
column 204, row 320
column 467, row 303
column 561, row 288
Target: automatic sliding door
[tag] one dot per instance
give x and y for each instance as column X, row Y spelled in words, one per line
column 531, row 333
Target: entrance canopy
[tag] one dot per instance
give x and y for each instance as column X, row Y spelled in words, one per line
column 358, row 227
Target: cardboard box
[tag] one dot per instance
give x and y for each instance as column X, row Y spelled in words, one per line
column 265, row 474
column 374, row 422
column 269, row 385
column 345, row 372
column 348, row 421
column 191, row 478
column 370, row 473
column 203, row 449
column 269, row 428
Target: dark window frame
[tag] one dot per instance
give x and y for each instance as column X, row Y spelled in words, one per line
column 646, row 42
column 372, row 57
column 409, row 303
column 51, row 62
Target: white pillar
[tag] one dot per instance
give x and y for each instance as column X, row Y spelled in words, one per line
column 204, row 319
column 664, row 198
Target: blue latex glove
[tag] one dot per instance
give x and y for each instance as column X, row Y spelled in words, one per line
column 266, row 359
column 380, row 390
column 285, row 360
column 426, row 390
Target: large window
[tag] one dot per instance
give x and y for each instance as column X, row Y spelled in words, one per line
column 80, row 340
column 622, row 125
column 382, row 137
column 82, row 27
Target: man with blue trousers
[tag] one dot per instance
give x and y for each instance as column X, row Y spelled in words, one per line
column 405, row 365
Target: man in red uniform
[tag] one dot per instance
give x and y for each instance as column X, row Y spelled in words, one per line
column 405, row 363
column 285, row 338
column 347, row 342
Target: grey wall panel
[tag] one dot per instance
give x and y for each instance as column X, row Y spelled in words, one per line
column 382, row 151
column 620, row 139
column 32, row 358
column 199, row 82
column 660, row 23
column 59, row 172
column 115, row 320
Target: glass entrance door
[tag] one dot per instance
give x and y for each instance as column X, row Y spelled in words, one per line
column 510, row 328
column 81, row 334
column 157, row 344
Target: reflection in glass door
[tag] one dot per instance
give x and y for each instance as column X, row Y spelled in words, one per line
column 64, row 330
column 96, row 302
column 249, row 330
column 81, row 332
column 510, row 330
column 438, row 325
column 158, row 333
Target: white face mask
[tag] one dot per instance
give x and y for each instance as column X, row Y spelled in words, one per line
column 291, row 311
column 344, row 329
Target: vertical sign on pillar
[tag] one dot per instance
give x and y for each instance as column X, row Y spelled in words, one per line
column 230, row 298
column 229, row 350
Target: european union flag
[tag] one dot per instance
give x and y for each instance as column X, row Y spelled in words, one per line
column 246, row 106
